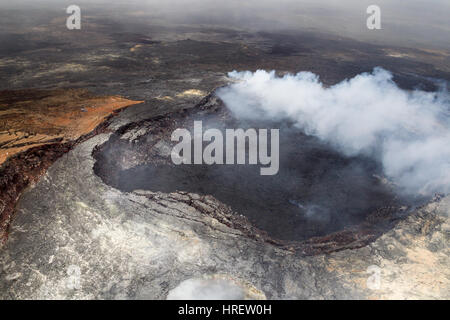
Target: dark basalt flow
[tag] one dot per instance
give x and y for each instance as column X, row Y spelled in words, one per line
column 318, row 197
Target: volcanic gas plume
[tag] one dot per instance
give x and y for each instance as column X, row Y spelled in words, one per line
column 408, row 132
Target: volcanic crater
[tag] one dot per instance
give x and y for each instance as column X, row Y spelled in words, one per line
column 319, row 201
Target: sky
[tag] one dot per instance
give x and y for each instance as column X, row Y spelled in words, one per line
column 404, row 22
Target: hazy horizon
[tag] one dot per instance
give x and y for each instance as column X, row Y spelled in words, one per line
column 414, row 23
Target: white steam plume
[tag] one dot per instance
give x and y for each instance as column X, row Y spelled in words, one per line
column 408, row 131
column 206, row 289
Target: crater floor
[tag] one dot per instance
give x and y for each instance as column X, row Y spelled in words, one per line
column 316, row 192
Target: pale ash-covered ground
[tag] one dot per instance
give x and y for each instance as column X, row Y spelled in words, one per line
column 76, row 238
